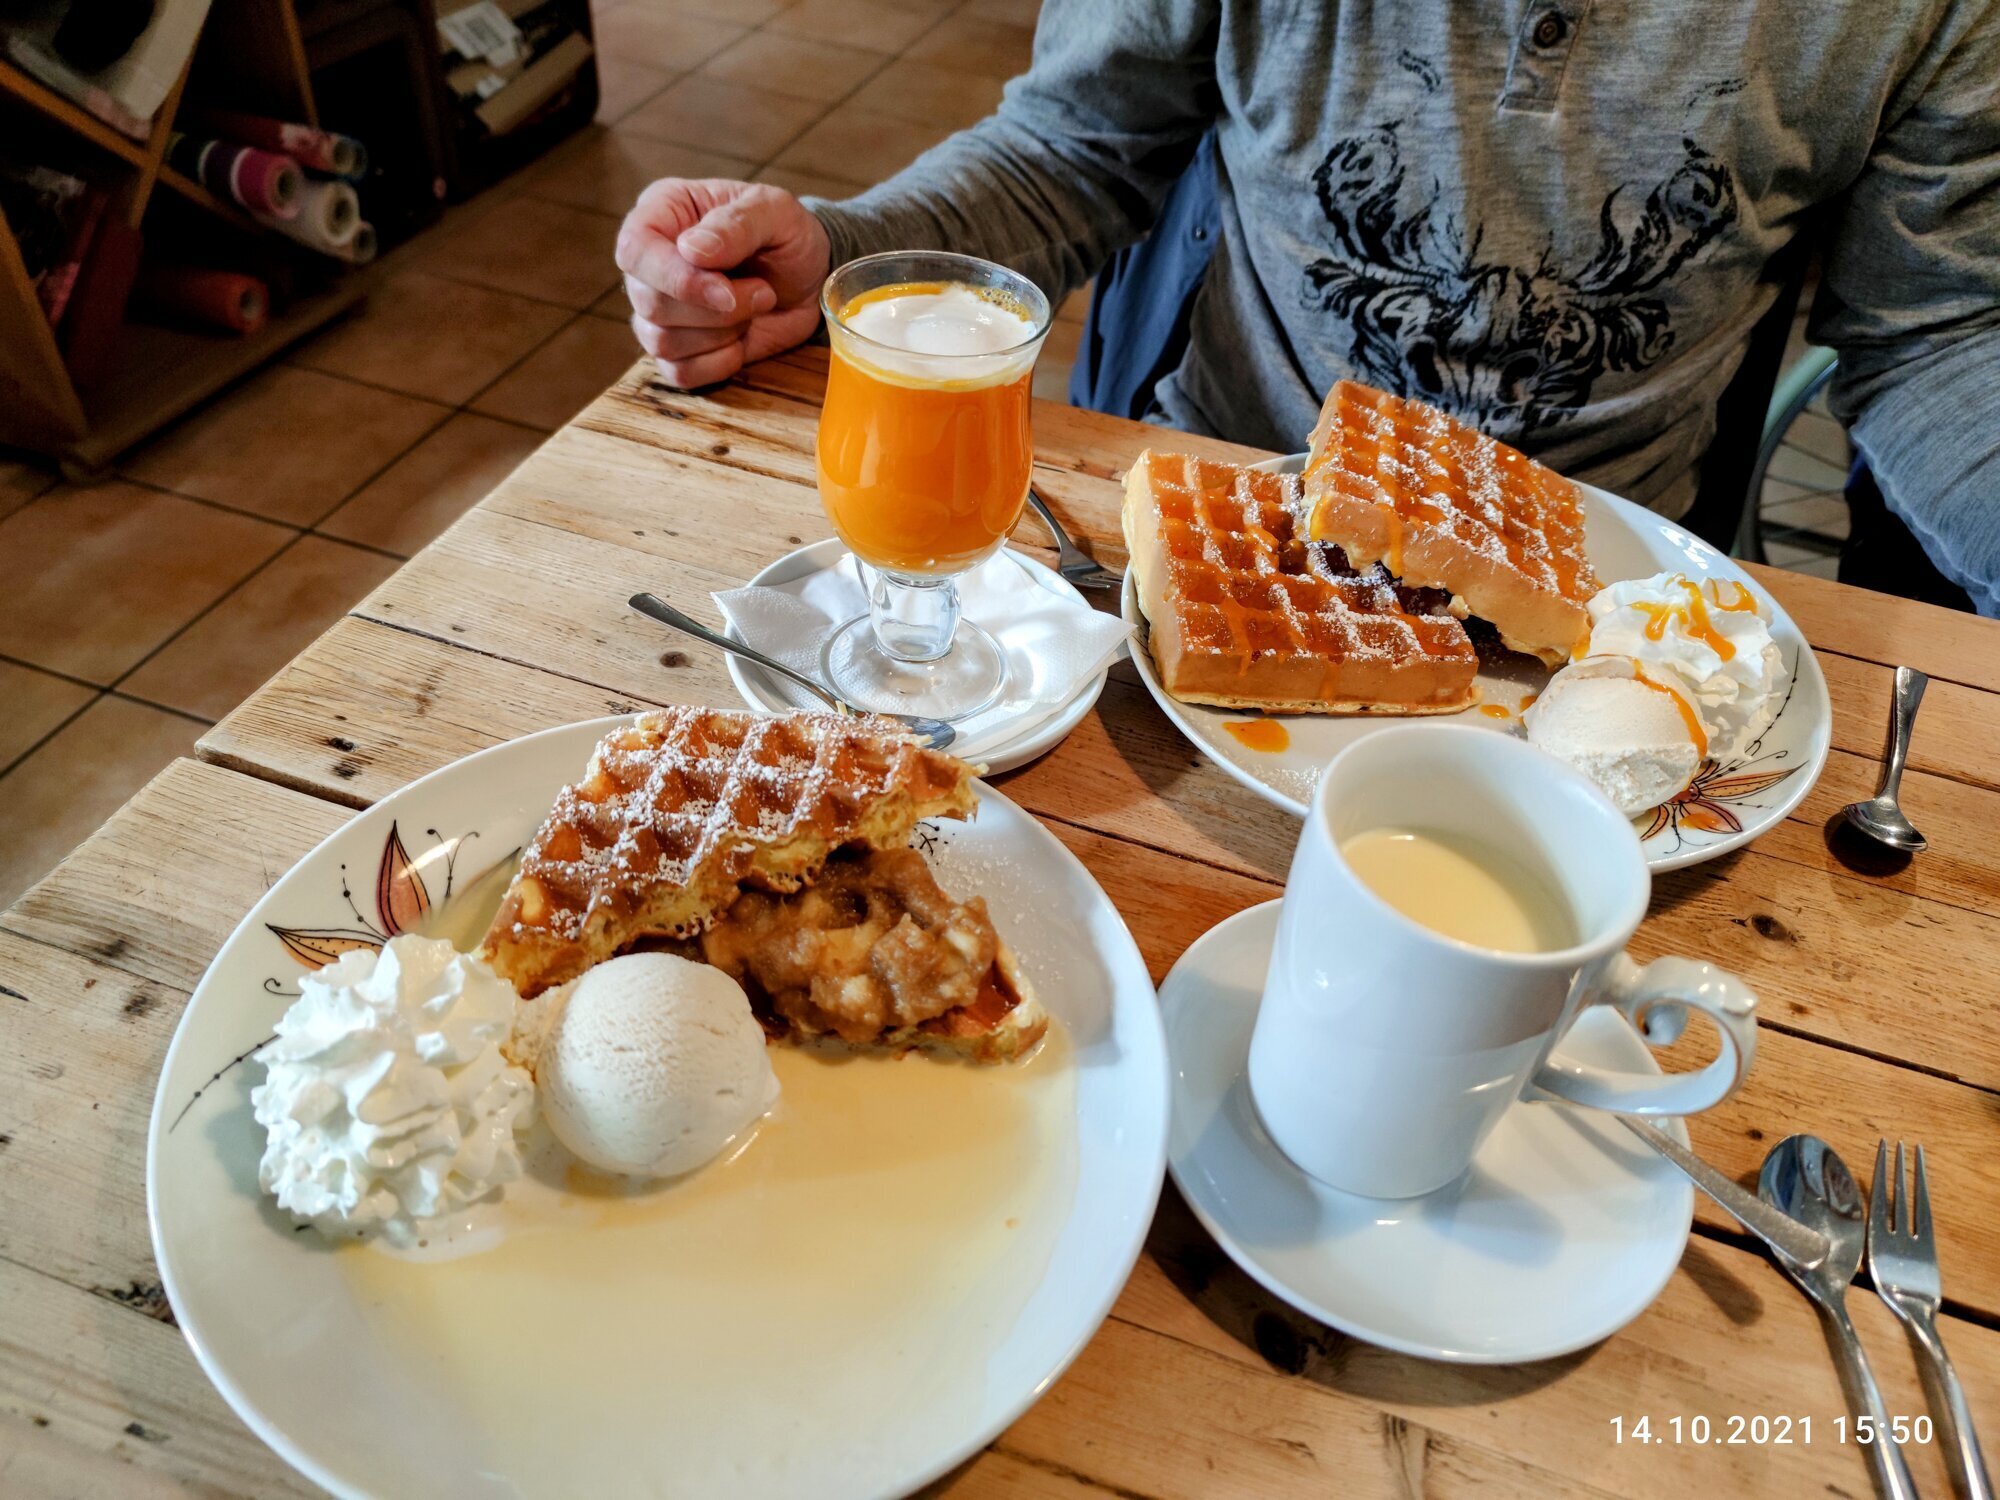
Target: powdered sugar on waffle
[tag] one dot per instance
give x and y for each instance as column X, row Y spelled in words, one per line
column 1430, row 468
column 1249, row 544
column 660, row 798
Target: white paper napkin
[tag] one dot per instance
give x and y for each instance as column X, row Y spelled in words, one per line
column 1054, row 644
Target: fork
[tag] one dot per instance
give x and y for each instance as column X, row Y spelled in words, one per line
column 1902, row 1259
column 1078, row 568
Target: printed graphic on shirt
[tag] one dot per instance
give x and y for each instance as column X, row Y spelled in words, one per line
column 1513, row 349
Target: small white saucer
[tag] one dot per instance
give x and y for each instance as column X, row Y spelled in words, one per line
column 772, row 694
column 1565, row 1229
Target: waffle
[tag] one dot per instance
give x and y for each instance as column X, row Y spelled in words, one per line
column 677, row 811
column 1244, row 615
column 1442, row 506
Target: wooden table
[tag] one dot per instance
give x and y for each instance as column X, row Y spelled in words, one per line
column 1878, row 1010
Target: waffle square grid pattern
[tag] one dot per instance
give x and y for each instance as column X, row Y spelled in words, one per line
column 1441, row 505
column 1256, row 617
column 679, row 807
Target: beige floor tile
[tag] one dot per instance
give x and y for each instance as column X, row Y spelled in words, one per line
column 1796, row 466
column 814, row 184
column 742, row 12
column 872, row 24
column 262, row 624
column 21, row 480
column 622, row 86
column 930, row 95
column 563, row 376
column 719, row 116
column 56, row 798
column 1822, row 436
column 815, row 69
column 91, row 580
column 1076, row 306
column 31, row 704
column 662, row 37
column 433, row 484
column 288, row 444
column 426, row 336
column 606, row 169
column 975, row 45
column 857, row 143
column 1014, row 12
column 533, row 248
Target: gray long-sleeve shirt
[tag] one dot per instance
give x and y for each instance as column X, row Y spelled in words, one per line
column 1549, row 217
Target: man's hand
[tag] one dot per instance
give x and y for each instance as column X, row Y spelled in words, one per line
column 720, row 273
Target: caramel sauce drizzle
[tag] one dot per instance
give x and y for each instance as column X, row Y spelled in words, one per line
column 1745, row 602
column 1259, row 734
column 1693, row 614
column 1688, row 716
column 1495, row 711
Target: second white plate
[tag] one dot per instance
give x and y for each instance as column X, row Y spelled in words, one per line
column 1727, row 806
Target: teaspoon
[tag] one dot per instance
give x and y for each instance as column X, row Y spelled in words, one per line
column 935, row 733
column 1881, row 816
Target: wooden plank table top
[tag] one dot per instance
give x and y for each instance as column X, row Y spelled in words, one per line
column 1877, row 991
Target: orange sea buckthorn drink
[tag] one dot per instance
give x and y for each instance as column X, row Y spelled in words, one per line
column 924, row 459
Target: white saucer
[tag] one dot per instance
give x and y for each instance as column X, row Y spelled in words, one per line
column 772, row 694
column 1565, row 1229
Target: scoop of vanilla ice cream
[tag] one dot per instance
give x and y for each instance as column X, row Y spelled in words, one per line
column 651, row 1065
column 386, row 1100
column 1715, row 636
column 1625, row 734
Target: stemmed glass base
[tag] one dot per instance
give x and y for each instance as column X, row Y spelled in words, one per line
column 965, row 679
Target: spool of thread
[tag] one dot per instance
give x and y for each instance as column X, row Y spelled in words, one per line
column 360, row 249
column 216, row 299
column 320, row 150
column 327, row 215
column 262, row 181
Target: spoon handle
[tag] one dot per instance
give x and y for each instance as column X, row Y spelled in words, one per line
column 656, row 608
column 1910, row 685
column 1864, row 1399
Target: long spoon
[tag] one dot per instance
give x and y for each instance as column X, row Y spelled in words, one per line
column 935, row 733
column 1805, row 1178
column 1881, row 816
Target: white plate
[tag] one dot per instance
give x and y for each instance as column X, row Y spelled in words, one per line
column 772, row 694
column 1563, row 1231
column 1727, row 807
column 274, row 1316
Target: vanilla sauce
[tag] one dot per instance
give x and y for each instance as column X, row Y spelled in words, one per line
column 816, row 1301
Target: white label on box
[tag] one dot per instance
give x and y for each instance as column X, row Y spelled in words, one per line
column 490, row 85
column 480, row 30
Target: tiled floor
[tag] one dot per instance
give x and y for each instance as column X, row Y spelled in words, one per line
column 136, row 611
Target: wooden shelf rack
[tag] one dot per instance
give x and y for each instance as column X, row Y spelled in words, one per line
column 250, row 55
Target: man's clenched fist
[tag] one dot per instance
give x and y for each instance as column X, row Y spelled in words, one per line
column 720, row 273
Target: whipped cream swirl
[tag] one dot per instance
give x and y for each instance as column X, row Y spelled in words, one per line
column 387, row 1101
column 1714, row 637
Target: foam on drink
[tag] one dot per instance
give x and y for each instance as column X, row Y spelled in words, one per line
column 939, row 333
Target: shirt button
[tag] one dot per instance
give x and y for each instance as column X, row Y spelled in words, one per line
column 1201, row 231
column 1550, row 28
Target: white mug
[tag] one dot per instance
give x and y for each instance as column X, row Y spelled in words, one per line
column 1384, row 1052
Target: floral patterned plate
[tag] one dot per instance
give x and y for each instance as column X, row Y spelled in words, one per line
column 1727, row 806
column 366, row 1397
